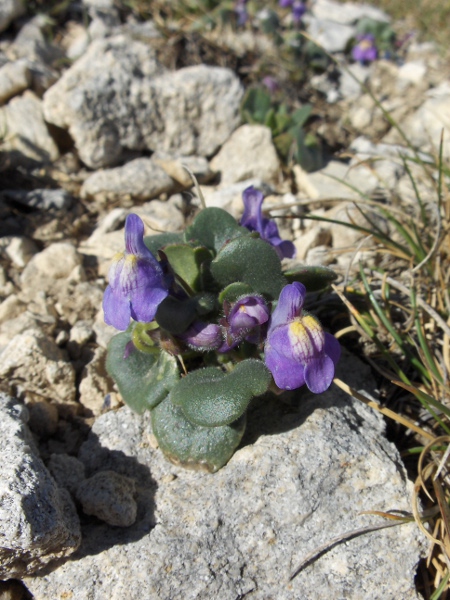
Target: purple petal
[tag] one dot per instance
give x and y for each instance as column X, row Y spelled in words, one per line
column 248, row 312
column 134, row 239
column 252, row 217
column 332, row 348
column 116, row 308
column 204, row 336
column 287, row 373
column 285, row 249
column 319, row 374
column 307, row 338
column 289, row 305
column 145, row 302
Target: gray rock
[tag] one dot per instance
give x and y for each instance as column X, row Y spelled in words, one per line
column 118, row 97
column 248, row 153
column 43, row 199
column 95, row 384
column 22, row 321
column 423, row 128
column 109, row 496
column 349, row 88
column 337, row 180
column 33, row 362
column 67, row 471
column 175, row 168
column 43, row 418
column 24, row 131
column 10, row 308
column 14, row 78
column 333, row 36
column 98, row 99
column 56, row 262
column 38, row 521
column 140, row 179
column 302, row 477
column 10, row 10
column 348, row 13
column 19, row 250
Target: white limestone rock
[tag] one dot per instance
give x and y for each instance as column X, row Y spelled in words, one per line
column 248, row 153
column 118, row 97
column 38, row 520
column 24, row 130
column 140, row 179
column 33, row 362
column 302, row 476
column 15, row 77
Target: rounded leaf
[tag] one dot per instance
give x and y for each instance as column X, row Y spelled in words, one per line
column 211, row 398
column 143, row 379
column 191, row 446
column 213, row 227
column 313, row 278
column 250, row 260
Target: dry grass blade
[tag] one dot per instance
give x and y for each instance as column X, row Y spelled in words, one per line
column 385, row 411
column 345, row 537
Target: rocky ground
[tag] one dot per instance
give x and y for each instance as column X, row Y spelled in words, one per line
column 98, row 120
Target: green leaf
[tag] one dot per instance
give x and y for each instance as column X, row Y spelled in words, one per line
column 156, row 242
column 211, row 398
column 252, row 261
column 308, row 153
column 234, row 291
column 143, row 379
column 187, row 262
column 194, row 447
column 212, row 228
column 313, row 278
column 301, row 115
column 283, row 143
column 256, row 104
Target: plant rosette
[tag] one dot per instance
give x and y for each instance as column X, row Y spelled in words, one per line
column 209, row 321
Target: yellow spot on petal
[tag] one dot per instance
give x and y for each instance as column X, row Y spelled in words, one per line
column 307, row 337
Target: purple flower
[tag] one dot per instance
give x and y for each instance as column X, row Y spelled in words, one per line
column 298, row 10
column 240, row 10
column 253, row 220
column 203, row 336
column 297, row 349
column 243, row 321
column 136, row 280
column 285, row 3
column 365, row 50
column 271, row 84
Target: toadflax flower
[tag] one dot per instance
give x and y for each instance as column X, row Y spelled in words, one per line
column 244, row 320
column 365, row 50
column 297, row 349
column 203, row 336
column 136, row 280
column 253, row 220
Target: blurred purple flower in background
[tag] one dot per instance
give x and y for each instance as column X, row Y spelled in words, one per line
column 271, row 84
column 298, row 8
column 240, row 9
column 365, row 50
column 136, row 280
column 297, row 350
column 253, row 220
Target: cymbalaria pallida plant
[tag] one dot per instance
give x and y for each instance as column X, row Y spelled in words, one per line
column 210, row 321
